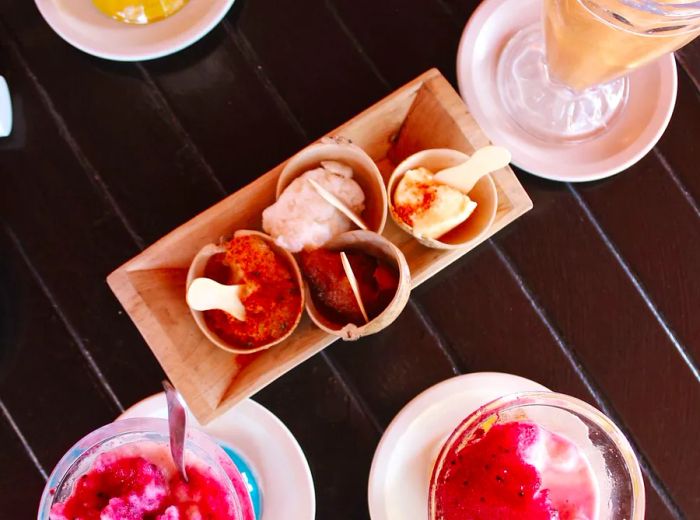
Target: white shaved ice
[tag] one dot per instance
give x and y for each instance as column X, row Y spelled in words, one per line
column 338, row 168
column 302, row 219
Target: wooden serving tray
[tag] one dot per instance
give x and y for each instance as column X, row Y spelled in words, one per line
column 426, row 113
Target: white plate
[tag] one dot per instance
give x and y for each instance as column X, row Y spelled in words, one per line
column 82, row 25
column 266, row 444
column 5, row 109
column 634, row 132
column 403, row 462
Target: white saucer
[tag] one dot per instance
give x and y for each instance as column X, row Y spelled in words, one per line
column 5, row 109
column 266, row 444
column 630, row 137
column 403, row 462
column 82, row 25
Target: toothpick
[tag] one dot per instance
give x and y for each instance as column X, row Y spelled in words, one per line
column 353, row 284
column 337, row 204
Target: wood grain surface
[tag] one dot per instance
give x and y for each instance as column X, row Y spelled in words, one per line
column 595, row 292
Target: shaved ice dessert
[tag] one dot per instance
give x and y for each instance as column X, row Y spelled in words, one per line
column 302, row 219
column 124, row 471
column 138, row 481
column 516, row 470
column 536, row 456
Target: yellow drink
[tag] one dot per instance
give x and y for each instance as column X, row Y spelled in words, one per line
column 139, row 11
column 591, row 42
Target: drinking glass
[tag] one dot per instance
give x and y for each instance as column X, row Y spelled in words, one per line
column 139, row 11
column 614, row 466
column 565, row 80
column 80, row 458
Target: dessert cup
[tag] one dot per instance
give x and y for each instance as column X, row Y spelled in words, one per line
column 379, row 247
column 365, row 173
column 612, row 461
column 484, row 194
column 197, row 268
column 137, row 432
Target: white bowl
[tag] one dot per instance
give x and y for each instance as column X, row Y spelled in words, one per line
column 631, row 135
column 82, row 25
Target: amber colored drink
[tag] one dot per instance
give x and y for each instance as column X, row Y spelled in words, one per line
column 139, row 11
column 590, row 42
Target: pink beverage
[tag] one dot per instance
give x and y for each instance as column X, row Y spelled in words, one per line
column 124, row 471
column 516, row 470
column 536, row 456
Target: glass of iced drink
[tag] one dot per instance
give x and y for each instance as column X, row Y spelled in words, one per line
column 566, row 81
column 537, row 455
column 124, row 471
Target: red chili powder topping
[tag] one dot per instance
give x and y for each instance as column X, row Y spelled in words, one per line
column 331, row 291
column 406, row 212
column 272, row 298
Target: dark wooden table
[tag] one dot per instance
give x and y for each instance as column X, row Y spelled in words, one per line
column 595, row 292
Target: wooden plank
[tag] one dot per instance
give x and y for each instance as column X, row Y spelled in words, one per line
column 674, row 144
column 307, row 59
column 602, row 317
column 121, row 129
column 20, row 481
column 219, row 99
column 654, row 228
column 689, row 58
column 484, row 317
column 402, row 40
column 155, row 302
column 45, row 354
column 72, row 236
column 390, row 368
column 337, row 439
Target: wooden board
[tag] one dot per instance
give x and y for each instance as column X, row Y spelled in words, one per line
column 425, row 113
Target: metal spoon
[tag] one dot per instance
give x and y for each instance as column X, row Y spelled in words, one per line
column 177, row 422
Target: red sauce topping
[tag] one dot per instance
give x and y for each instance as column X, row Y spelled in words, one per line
column 488, row 478
column 272, row 298
column 406, row 212
column 331, row 291
column 132, row 488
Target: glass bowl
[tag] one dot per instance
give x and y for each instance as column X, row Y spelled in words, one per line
column 81, row 457
column 611, row 460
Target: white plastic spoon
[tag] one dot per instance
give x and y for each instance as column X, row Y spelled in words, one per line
column 337, row 204
column 353, row 284
column 205, row 294
column 464, row 176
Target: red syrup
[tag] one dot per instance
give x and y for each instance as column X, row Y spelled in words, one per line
column 126, row 486
column 515, row 470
